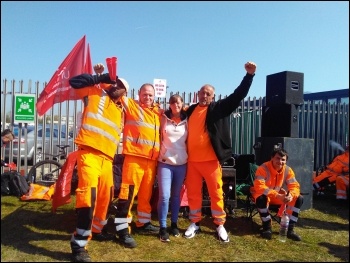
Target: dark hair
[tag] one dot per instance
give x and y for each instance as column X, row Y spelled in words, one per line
column 280, row 151
column 174, row 98
column 6, row 132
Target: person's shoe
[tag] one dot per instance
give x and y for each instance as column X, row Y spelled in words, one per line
column 267, row 234
column 174, row 230
column 127, row 241
column 192, row 230
column 81, row 256
column 103, row 236
column 293, row 236
column 222, row 234
column 163, row 235
column 148, row 227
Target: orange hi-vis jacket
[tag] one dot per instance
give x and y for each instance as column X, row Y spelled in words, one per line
column 98, row 131
column 338, row 167
column 141, row 135
column 269, row 182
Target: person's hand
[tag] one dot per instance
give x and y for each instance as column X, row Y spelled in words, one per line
column 250, row 67
column 288, row 198
column 282, row 191
column 281, row 197
column 284, row 197
column 99, row 68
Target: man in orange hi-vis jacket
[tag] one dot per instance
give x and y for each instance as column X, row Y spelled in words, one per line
column 209, row 145
column 337, row 171
column 97, row 143
column 141, row 146
column 275, row 183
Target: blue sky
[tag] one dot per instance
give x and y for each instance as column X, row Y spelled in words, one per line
column 187, row 43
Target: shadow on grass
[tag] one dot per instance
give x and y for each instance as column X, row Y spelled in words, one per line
column 341, row 252
column 23, row 226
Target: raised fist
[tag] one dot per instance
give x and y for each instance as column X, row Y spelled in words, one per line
column 250, row 67
column 99, row 68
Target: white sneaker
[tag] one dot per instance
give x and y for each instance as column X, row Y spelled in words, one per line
column 192, row 230
column 223, row 236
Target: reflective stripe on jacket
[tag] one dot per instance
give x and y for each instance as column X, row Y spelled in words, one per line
column 141, row 135
column 101, row 123
column 269, row 182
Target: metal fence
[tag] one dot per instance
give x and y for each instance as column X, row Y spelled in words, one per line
column 323, row 122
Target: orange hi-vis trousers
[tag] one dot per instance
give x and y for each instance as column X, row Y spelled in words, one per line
column 93, row 195
column 211, row 172
column 138, row 178
column 342, row 185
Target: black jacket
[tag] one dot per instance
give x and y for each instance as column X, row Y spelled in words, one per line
column 217, row 120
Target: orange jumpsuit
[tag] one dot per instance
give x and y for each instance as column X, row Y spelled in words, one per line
column 203, row 164
column 97, row 142
column 141, row 145
column 337, row 171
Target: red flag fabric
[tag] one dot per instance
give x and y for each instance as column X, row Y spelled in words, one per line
column 63, row 184
column 88, row 64
column 58, row 88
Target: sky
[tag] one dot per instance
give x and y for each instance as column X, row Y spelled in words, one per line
column 187, row 43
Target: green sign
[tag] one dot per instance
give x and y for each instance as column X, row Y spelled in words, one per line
column 24, row 108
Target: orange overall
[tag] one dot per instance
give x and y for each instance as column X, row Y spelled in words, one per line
column 337, row 171
column 97, row 143
column 141, row 145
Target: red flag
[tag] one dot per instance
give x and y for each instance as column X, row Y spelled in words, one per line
column 88, row 64
column 63, row 184
column 58, row 88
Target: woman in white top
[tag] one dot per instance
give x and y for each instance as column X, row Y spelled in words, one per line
column 172, row 165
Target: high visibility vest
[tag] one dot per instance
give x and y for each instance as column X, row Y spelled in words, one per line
column 141, row 135
column 101, row 123
column 273, row 182
column 340, row 165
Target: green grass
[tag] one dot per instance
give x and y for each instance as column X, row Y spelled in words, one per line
column 30, row 232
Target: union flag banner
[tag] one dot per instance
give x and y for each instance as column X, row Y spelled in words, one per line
column 58, row 89
column 62, row 193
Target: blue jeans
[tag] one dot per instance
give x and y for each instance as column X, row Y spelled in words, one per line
column 170, row 179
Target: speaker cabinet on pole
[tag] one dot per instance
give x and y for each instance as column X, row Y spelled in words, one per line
column 300, row 159
column 280, row 121
column 286, row 87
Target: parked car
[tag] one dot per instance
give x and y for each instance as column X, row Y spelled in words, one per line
column 29, row 141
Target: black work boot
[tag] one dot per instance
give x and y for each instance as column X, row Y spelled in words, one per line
column 266, row 232
column 103, row 236
column 80, row 255
column 126, row 239
column 292, row 235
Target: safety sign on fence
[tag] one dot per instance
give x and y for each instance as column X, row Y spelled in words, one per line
column 24, row 108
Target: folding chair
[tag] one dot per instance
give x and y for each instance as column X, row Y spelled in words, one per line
column 251, row 208
column 243, row 177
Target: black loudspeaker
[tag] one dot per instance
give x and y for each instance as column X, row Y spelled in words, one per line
column 280, row 121
column 300, row 159
column 285, row 87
